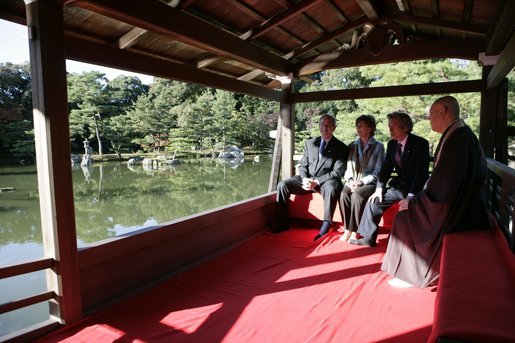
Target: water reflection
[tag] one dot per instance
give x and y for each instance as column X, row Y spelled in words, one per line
column 116, row 198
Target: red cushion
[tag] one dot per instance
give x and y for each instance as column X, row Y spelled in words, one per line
column 311, row 206
column 476, row 291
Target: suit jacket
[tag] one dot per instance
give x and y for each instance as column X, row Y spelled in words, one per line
column 330, row 166
column 414, row 172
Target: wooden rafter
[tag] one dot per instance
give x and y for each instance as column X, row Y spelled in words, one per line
column 502, row 29
column 443, row 24
column 330, row 36
column 417, row 50
column 368, row 8
column 337, row 12
column 158, row 17
column 504, row 65
column 281, row 17
column 90, row 52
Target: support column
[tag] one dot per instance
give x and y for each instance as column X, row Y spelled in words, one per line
column 287, row 133
column 487, row 117
column 51, row 127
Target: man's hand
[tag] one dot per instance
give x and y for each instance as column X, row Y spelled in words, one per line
column 308, row 184
column 352, row 185
column 378, row 194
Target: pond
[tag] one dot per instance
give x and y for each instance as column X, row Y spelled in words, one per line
column 112, row 199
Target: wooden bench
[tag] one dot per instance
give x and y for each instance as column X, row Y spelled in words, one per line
column 311, row 207
column 476, row 291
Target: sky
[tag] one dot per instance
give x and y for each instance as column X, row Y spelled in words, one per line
column 15, row 49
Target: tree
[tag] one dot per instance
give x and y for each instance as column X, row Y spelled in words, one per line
column 15, row 110
column 89, row 103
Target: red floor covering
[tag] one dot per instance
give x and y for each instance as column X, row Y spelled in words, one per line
column 274, row 288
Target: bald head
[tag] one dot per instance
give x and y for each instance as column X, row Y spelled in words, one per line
column 443, row 112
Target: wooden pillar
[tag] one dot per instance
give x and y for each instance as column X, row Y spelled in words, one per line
column 501, row 135
column 50, row 110
column 487, row 118
column 287, row 133
column 493, row 130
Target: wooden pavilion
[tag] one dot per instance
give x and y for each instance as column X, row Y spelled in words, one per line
column 259, row 48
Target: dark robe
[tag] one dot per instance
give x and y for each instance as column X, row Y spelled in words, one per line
column 453, row 199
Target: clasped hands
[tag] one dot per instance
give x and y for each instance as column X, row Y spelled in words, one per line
column 309, row 184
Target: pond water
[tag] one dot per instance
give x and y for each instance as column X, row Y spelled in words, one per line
column 111, row 199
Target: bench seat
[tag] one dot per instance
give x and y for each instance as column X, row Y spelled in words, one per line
column 311, row 207
column 476, row 291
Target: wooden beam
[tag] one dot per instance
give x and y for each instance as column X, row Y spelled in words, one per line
column 442, row 24
column 390, row 91
column 337, row 11
column 368, row 8
column 51, row 135
column 89, row 52
column 502, row 28
column 504, row 65
column 158, row 17
column 327, row 37
column 467, row 11
column 280, row 18
column 417, row 50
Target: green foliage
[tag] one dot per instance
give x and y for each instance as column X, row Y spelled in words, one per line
column 126, row 116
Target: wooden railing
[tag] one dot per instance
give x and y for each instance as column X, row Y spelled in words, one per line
column 500, row 196
column 24, row 268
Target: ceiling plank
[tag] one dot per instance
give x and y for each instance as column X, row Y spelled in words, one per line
column 158, row 17
column 417, row 50
column 280, row 18
column 502, row 29
column 443, row 24
column 89, row 52
column 337, row 11
column 389, row 91
column 504, row 65
column 368, row 8
column 330, row 36
column 132, row 37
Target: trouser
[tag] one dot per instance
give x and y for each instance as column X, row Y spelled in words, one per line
column 352, row 205
column 373, row 212
column 330, row 191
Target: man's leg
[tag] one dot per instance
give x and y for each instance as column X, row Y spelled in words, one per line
column 372, row 216
column 330, row 191
column 286, row 187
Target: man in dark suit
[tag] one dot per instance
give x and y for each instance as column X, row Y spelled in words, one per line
column 408, row 155
column 321, row 169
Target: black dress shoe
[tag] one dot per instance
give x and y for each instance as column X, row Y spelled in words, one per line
column 368, row 242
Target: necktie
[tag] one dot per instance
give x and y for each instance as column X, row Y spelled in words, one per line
column 322, row 147
column 398, row 155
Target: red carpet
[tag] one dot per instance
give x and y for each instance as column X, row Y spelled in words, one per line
column 274, row 288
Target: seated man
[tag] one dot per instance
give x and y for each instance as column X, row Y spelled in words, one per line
column 321, row 169
column 454, row 199
column 408, row 155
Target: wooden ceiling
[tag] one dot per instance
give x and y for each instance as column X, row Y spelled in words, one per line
column 248, row 46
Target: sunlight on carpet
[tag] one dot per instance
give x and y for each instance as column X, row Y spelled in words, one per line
column 274, row 288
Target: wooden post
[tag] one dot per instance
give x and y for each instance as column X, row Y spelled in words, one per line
column 287, row 134
column 50, row 110
column 487, row 116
